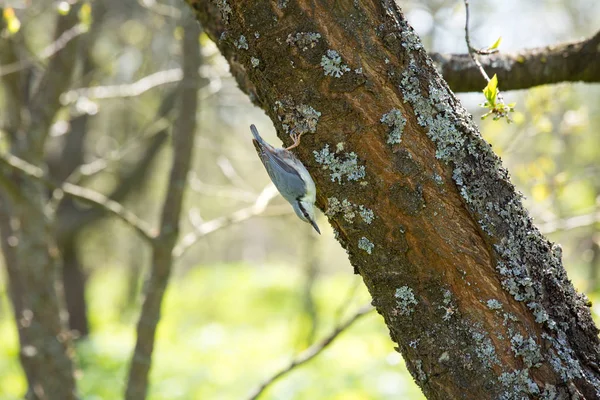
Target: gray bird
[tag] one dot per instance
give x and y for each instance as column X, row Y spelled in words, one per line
column 289, row 176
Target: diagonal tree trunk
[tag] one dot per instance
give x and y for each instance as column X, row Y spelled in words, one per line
column 475, row 297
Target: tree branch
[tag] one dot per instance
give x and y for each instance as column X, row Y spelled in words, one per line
column 311, row 352
column 86, row 195
column 55, row 80
column 49, row 51
column 566, row 62
column 162, row 257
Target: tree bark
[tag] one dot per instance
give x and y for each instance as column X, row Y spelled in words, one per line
column 475, row 297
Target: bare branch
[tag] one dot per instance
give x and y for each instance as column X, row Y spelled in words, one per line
column 126, row 90
column 87, row 195
column 47, row 52
column 56, row 78
column 565, row 62
column 311, row 352
column 137, row 88
column 197, row 185
column 161, row 9
column 162, row 257
column 204, row 228
column 566, row 224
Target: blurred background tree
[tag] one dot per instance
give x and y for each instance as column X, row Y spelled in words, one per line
column 93, row 104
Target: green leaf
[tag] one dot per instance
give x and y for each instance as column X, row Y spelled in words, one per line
column 491, row 90
column 85, row 15
column 496, row 44
column 12, row 22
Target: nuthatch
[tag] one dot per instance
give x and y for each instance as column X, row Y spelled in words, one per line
column 289, row 176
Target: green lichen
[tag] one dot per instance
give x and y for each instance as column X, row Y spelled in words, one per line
column 332, row 64
column 254, row 61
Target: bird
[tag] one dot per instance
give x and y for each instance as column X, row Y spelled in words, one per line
column 289, row 175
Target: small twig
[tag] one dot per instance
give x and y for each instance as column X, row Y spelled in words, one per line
column 87, row 195
column 126, row 90
column 566, row 224
column 137, row 88
column 348, row 299
column 204, row 228
column 161, row 9
column 472, row 51
column 47, row 52
column 311, row 352
column 100, row 164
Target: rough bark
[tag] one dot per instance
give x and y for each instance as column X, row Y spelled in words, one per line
column 162, row 251
column 565, row 62
column 476, row 298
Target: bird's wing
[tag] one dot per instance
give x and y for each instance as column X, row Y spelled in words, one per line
column 286, row 178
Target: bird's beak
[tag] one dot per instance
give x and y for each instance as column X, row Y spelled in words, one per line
column 314, row 224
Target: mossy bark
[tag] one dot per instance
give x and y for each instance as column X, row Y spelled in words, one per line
column 475, row 297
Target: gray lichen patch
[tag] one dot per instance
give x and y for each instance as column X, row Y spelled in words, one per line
column 447, row 306
column 332, row 64
column 340, row 166
column 349, row 210
column 366, row 214
column 303, row 40
column 563, row 359
column 241, row 43
column 527, row 349
column 484, row 348
column 410, row 40
column 345, row 207
column 298, row 119
column 518, row 385
column 405, row 300
column 224, row 8
column 366, row 245
column 254, row 61
column 396, row 122
column 494, row 304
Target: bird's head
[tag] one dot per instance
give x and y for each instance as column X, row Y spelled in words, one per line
column 305, row 210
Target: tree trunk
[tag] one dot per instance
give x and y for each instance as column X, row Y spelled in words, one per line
column 476, row 298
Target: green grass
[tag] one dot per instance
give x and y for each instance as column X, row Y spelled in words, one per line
column 224, row 330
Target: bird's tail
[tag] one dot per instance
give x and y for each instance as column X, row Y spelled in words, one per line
column 256, row 135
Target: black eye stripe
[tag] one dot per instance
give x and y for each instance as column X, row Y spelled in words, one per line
column 302, row 208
